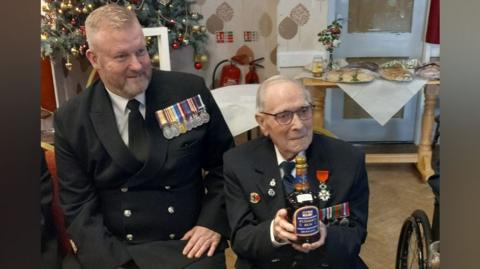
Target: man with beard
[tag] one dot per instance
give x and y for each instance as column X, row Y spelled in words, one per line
column 256, row 185
column 131, row 152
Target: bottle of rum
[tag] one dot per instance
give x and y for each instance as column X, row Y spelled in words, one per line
column 302, row 206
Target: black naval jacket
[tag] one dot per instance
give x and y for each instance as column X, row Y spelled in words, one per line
column 251, row 167
column 116, row 209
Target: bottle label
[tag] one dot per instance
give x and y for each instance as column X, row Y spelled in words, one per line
column 304, row 197
column 305, row 220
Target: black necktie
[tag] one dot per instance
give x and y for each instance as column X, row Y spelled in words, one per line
column 137, row 137
column 288, row 179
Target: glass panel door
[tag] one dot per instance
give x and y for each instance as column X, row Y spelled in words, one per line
column 378, row 31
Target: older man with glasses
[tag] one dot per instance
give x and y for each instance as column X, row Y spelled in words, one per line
column 255, row 191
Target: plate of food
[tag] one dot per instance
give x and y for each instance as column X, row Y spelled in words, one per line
column 349, row 75
column 429, row 71
column 404, row 63
column 396, row 73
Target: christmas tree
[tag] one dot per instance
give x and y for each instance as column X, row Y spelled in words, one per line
column 63, row 30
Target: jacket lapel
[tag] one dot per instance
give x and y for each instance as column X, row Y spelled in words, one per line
column 267, row 169
column 104, row 123
column 158, row 143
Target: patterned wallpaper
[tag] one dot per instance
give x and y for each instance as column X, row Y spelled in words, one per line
column 251, row 27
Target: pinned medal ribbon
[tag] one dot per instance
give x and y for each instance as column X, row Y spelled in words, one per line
column 183, row 116
column 324, row 192
column 335, row 212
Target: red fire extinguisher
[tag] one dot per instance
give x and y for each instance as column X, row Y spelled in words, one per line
column 252, row 77
column 230, row 74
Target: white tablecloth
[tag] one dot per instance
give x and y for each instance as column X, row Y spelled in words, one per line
column 237, row 104
column 381, row 99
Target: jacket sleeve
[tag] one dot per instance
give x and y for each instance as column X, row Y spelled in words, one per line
column 343, row 243
column 96, row 246
column 250, row 237
column 217, row 140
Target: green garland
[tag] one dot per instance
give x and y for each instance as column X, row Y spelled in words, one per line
column 63, row 31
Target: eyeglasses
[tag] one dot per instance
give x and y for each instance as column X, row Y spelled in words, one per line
column 286, row 117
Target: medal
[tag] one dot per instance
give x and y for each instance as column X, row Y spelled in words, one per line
column 185, row 110
column 271, row 192
column 204, row 116
column 338, row 212
column 322, row 177
column 254, row 198
column 167, row 132
column 272, row 183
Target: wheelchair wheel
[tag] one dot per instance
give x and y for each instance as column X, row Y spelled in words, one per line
column 425, row 228
column 410, row 250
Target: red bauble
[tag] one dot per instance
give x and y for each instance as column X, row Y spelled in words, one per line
column 135, row 2
column 180, row 38
column 175, row 45
column 198, row 65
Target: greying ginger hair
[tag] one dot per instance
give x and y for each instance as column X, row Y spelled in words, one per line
column 111, row 17
column 260, row 102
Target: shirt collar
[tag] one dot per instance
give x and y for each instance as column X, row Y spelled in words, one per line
column 280, row 158
column 120, row 103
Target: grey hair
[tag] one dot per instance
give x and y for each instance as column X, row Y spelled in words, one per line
column 110, row 16
column 260, row 102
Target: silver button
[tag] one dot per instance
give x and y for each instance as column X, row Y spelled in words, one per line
column 167, row 187
column 172, row 236
column 171, row 209
column 127, row 213
column 124, row 189
column 129, row 237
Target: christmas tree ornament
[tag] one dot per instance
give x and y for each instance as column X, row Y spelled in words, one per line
column 175, row 45
column 45, row 8
column 203, row 28
column 156, row 59
column 74, row 51
column 43, row 36
column 164, row 2
column 195, row 28
column 203, row 58
column 195, row 16
column 63, row 6
column 198, row 65
column 180, row 38
column 130, row 7
column 186, row 41
column 68, row 64
column 69, row 4
column 73, row 22
column 82, row 30
column 83, row 49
